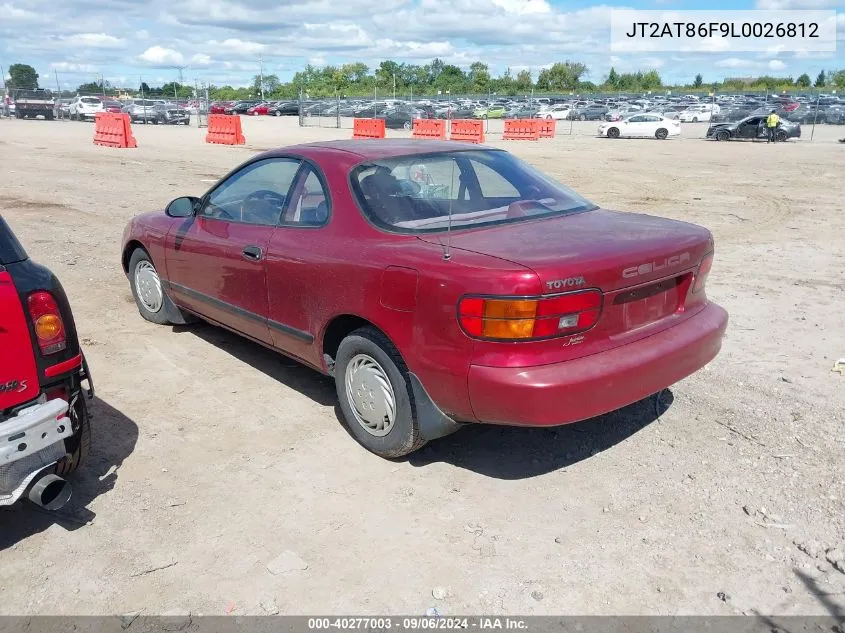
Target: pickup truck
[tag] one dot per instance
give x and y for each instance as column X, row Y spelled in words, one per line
column 31, row 103
column 45, row 431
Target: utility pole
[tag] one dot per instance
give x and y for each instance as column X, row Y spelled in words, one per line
column 261, row 75
column 179, row 69
column 394, row 86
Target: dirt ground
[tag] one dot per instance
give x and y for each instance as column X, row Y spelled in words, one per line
column 216, row 461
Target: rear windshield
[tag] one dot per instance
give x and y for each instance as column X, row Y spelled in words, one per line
column 89, row 100
column 419, row 193
column 10, row 249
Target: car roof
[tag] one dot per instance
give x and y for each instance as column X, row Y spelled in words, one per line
column 375, row 149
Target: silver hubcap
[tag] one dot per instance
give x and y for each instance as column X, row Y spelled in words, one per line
column 370, row 393
column 148, row 286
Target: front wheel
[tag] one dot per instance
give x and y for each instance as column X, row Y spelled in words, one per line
column 662, row 133
column 407, row 125
column 150, row 297
column 374, row 392
column 695, row 119
column 583, row 117
column 722, row 135
column 613, row 133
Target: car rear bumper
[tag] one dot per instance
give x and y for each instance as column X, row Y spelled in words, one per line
column 30, row 442
column 561, row 393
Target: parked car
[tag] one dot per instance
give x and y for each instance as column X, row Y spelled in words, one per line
column 402, row 117
column 220, row 107
column 439, row 283
column 169, row 114
column 835, row 115
column 521, row 112
column 113, row 106
column 85, row 108
column 260, row 109
column 241, row 107
column 285, row 108
column 752, row 127
column 557, row 112
column 45, row 431
column 697, row 113
column 142, row 110
column 589, row 113
column 641, row 125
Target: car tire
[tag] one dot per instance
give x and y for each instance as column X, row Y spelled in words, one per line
column 583, row 117
column 722, row 135
column 152, row 300
column 549, row 116
column 407, row 125
column 695, row 119
column 781, row 136
column 661, row 133
column 613, row 132
column 368, row 350
column 277, row 113
column 78, row 445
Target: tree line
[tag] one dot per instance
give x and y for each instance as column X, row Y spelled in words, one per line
column 439, row 78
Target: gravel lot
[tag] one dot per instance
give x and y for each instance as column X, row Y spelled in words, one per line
column 220, row 480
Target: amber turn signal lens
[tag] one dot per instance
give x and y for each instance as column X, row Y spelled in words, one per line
column 48, row 327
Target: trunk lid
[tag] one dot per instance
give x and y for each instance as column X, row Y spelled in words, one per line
column 643, row 264
column 18, row 372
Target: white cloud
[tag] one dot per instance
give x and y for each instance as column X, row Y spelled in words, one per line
column 798, row 4
column 67, row 67
column 94, row 40
column 734, row 62
column 776, row 64
column 237, row 46
column 158, row 55
column 523, row 7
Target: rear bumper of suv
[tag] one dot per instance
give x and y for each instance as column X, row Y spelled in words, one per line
column 561, row 393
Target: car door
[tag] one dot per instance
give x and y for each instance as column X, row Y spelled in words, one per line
column 632, row 126
column 216, row 259
column 295, row 268
column 749, row 128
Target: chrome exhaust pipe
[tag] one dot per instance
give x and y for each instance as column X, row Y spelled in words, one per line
column 51, row 492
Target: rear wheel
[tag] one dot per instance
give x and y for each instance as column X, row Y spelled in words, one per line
column 613, row 133
column 374, row 393
column 695, row 119
column 407, row 125
column 781, row 135
column 583, row 117
column 662, row 133
column 79, row 444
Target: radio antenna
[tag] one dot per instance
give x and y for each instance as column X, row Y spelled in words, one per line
column 447, row 252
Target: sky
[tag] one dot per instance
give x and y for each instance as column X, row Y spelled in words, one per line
column 221, row 41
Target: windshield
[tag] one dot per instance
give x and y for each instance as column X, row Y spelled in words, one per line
column 418, row 193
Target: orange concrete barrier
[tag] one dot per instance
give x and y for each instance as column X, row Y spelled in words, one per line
column 113, row 130
column 548, row 128
column 430, row 128
column 368, row 128
column 225, row 129
column 522, row 130
column 467, row 130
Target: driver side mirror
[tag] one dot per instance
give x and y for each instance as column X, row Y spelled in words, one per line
column 182, row 207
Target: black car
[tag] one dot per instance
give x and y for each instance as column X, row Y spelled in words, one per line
column 402, row 117
column 240, row 107
column 45, row 432
column 589, row 113
column 170, row 115
column 285, row 108
column 753, row 127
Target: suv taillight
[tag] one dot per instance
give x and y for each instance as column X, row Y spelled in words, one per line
column 49, row 328
column 702, row 272
column 521, row 319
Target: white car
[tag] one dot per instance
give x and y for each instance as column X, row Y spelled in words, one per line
column 557, row 112
column 641, row 125
column 82, row 108
column 696, row 113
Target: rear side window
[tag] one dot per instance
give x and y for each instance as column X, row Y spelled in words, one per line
column 464, row 188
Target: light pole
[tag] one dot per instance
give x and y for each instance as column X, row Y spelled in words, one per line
column 261, row 75
column 394, row 86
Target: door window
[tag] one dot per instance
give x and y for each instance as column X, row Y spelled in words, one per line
column 254, row 195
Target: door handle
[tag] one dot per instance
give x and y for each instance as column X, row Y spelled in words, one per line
column 252, row 253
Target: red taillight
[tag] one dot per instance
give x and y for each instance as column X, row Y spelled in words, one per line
column 702, row 272
column 49, row 328
column 504, row 319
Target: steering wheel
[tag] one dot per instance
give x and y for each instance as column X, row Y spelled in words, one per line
column 264, row 202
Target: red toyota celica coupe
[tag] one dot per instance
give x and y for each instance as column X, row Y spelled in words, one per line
column 439, row 283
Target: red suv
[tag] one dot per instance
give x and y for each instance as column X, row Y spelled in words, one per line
column 440, row 283
column 44, row 424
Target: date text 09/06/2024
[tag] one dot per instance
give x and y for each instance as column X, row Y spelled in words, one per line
column 723, row 29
